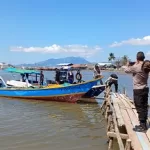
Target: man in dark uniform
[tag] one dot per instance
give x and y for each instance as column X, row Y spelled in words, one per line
column 113, row 80
column 57, row 76
column 41, row 78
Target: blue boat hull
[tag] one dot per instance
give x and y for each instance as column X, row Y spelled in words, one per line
column 69, row 93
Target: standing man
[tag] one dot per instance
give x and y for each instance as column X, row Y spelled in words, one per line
column 57, row 76
column 140, row 90
column 97, row 71
column 41, row 78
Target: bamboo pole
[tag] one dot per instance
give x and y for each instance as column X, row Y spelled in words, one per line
column 113, row 134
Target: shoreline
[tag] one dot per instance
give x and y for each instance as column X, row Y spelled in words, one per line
column 116, row 71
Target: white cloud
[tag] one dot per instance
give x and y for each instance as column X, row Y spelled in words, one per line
column 148, row 54
column 143, row 41
column 78, row 50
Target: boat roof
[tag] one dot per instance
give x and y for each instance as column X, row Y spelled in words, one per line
column 21, row 71
column 104, row 63
column 65, row 64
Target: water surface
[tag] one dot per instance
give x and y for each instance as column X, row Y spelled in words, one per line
column 38, row 125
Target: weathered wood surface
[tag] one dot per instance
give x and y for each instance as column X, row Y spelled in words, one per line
column 130, row 103
column 139, row 140
column 116, row 129
column 118, row 112
column 113, row 134
column 132, row 135
column 133, row 108
column 112, row 125
column 128, row 144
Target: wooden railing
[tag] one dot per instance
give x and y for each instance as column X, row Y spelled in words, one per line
column 112, row 125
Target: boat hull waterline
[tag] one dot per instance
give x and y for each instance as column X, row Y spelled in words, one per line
column 70, row 93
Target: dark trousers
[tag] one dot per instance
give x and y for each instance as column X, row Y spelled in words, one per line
column 41, row 82
column 115, row 82
column 141, row 103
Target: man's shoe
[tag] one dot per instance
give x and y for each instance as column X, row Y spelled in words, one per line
column 140, row 128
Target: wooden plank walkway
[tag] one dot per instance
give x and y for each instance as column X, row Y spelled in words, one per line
column 126, row 118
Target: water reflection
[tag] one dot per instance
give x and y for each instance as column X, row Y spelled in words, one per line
column 43, row 125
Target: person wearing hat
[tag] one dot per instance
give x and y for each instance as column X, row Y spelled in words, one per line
column 140, row 89
column 97, row 71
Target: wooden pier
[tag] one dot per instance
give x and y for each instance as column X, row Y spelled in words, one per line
column 121, row 116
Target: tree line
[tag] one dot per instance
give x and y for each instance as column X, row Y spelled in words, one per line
column 119, row 61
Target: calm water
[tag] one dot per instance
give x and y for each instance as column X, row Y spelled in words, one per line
column 32, row 125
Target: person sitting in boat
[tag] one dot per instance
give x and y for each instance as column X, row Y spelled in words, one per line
column 70, row 76
column 113, row 79
column 41, row 78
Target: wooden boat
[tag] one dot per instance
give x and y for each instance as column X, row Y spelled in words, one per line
column 92, row 92
column 70, row 93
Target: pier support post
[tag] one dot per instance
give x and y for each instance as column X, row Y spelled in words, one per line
column 124, row 91
column 109, row 121
column 110, row 145
column 107, row 109
column 128, row 144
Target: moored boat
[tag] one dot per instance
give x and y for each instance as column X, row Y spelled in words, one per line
column 70, row 93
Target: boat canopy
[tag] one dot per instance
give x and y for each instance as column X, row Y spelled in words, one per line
column 22, row 71
column 65, row 64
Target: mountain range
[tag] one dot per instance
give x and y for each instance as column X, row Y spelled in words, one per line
column 53, row 62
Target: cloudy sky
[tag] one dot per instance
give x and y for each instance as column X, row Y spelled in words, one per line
column 38, row 30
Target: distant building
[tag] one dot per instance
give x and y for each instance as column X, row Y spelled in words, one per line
column 105, row 64
column 3, row 65
column 79, row 66
column 90, row 66
column 64, row 65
